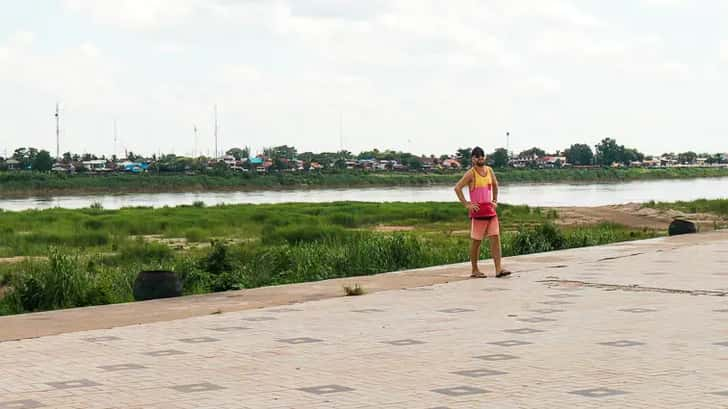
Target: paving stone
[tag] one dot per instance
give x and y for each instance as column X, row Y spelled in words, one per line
column 197, row 387
column 102, row 339
column 721, row 393
column 535, row 320
column 510, row 343
column 522, row 331
column 479, row 373
column 637, row 310
column 367, row 310
column 78, row 383
column 546, row 310
column 403, row 342
column 303, row 340
column 456, row 310
column 259, row 319
column 622, row 343
column 198, row 340
column 326, row 389
column 458, row 391
column 497, row 357
column 229, row 329
column 283, row 310
column 598, row 392
column 21, row 404
column 122, row 367
column 165, row 352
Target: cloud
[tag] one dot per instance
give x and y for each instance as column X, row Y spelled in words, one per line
column 339, row 9
column 81, row 72
column 137, row 14
column 723, row 51
column 664, row 3
column 282, row 69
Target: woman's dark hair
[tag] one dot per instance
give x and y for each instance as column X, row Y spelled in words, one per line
column 477, row 151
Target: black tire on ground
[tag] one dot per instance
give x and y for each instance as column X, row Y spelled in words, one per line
column 150, row 285
column 681, row 227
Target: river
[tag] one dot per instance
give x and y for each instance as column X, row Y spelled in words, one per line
column 561, row 194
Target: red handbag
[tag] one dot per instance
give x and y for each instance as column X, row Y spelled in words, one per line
column 485, row 211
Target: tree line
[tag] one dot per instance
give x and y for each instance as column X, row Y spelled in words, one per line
column 605, row 153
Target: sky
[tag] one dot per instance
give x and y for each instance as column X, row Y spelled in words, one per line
column 423, row 76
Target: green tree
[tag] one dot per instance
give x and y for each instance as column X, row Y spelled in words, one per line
column 687, row 157
column 42, row 161
column 463, row 156
column 500, row 158
column 608, row 152
column 413, row 162
column 630, row 155
column 372, row 154
column 711, row 159
column 579, row 154
column 532, row 153
column 20, row 154
column 25, row 156
column 239, row 153
column 281, row 152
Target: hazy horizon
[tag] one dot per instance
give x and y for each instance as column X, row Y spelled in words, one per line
column 420, row 76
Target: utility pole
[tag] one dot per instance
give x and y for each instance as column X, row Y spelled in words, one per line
column 115, row 138
column 194, row 128
column 58, row 132
column 341, row 136
column 216, row 156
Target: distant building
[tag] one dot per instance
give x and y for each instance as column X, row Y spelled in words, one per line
column 98, row 165
column 551, row 161
column 60, row 167
column 12, row 164
column 451, row 164
column 230, row 160
column 133, row 167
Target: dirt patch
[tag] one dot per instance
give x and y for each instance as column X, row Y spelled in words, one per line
column 632, row 215
column 181, row 243
column 382, row 228
column 19, row 259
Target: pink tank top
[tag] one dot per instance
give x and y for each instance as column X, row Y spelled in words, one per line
column 481, row 189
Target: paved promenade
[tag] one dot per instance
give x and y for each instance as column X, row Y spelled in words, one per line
column 634, row 325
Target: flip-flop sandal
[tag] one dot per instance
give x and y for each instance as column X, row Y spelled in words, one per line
column 503, row 273
column 477, row 275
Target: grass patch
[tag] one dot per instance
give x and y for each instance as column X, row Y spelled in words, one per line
column 96, row 253
column 353, row 290
column 715, row 206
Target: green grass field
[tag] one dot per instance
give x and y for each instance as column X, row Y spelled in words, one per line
column 91, row 256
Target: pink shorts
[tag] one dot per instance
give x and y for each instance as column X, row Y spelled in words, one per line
column 480, row 228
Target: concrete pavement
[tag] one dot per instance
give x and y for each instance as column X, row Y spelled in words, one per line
column 639, row 324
